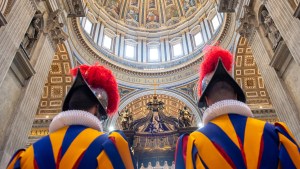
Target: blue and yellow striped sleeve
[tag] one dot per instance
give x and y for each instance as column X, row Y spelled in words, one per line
column 289, row 150
column 116, row 152
column 15, row 160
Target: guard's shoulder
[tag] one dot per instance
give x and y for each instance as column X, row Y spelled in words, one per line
column 283, row 129
column 15, row 160
column 118, row 134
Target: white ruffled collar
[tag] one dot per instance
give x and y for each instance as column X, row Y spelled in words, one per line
column 226, row 107
column 75, row 117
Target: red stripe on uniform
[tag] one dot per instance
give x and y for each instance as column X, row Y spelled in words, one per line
column 58, row 158
column 78, row 161
column 223, row 153
column 261, row 150
column 35, row 164
column 242, row 150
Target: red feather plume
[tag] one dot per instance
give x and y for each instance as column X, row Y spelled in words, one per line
column 210, row 61
column 100, row 77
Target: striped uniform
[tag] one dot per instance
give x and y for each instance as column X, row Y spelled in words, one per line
column 76, row 146
column 236, row 141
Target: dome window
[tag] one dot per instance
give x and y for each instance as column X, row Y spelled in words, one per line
column 88, row 26
column 107, row 41
column 215, row 22
column 129, row 52
column 153, row 54
column 177, row 50
column 198, row 39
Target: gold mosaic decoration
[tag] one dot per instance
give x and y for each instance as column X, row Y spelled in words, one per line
column 56, row 87
column 249, row 78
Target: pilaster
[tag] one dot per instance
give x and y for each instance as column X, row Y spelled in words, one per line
column 13, row 33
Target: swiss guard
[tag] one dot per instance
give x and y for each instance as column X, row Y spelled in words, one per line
column 76, row 139
column 231, row 137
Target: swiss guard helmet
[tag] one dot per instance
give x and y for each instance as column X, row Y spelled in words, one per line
column 98, row 82
column 215, row 67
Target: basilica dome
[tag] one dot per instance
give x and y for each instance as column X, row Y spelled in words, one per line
column 149, row 39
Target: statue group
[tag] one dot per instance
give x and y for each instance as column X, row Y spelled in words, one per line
column 126, row 119
column 185, row 118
